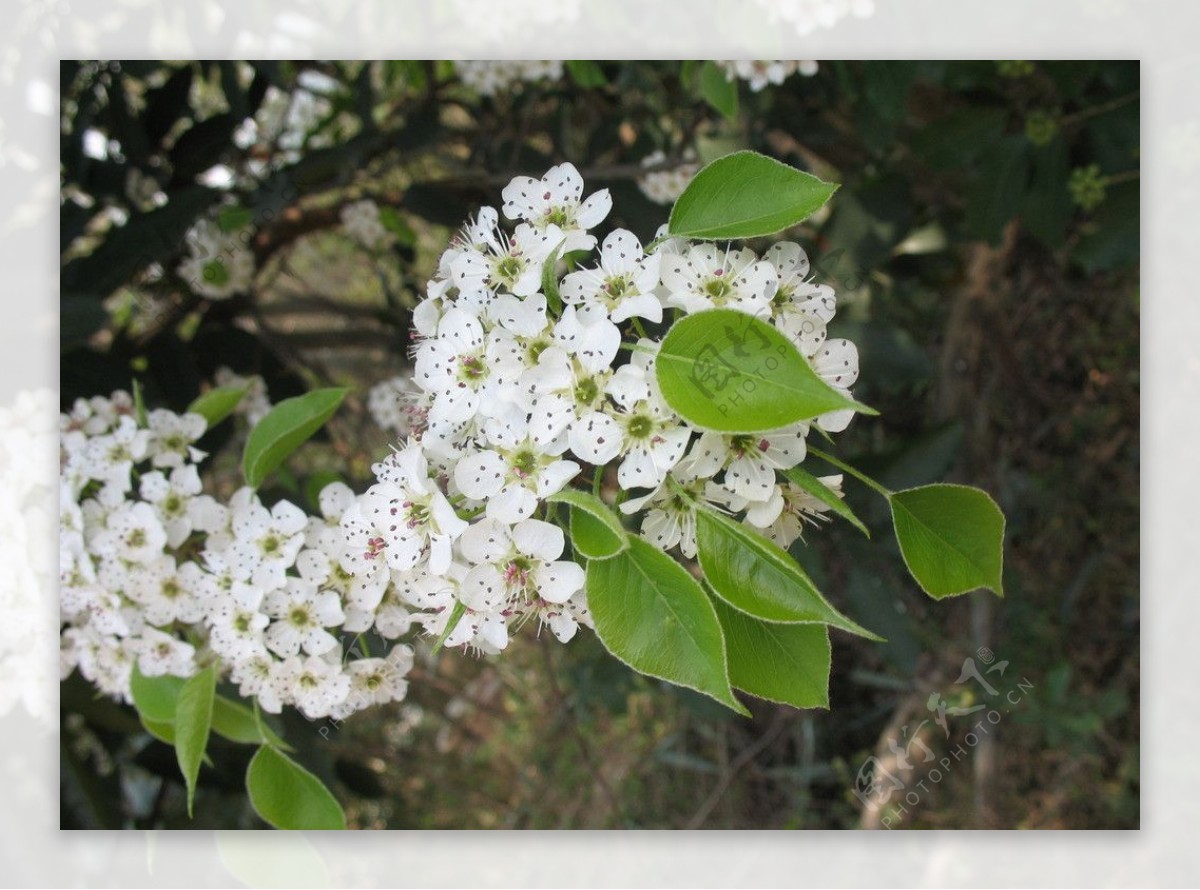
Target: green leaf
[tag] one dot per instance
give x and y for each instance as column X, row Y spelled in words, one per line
column 785, row 663
column 139, row 403
column 155, row 697
column 288, row 425
column 744, row 195
column 230, row 219
column 754, row 576
column 193, row 721
column 652, row 615
column 163, row 731
column 951, row 537
column 550, row 282
column 718, row 90
column 825, row 495
column 725, row 370
column 687, row 72
column 456, row 615
column 217, row 404
column 236, row 722
column 585, row 73
column 288, row 796
column 596, row 532
column 394, row 223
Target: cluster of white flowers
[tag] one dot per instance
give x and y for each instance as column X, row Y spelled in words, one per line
column 514, row 393
column 759, row 73
column 664, row 186
column 490, row 78
column 516, row 386
column 219, row 264
column 362, row 222
column 27, row 470
column 156, row 573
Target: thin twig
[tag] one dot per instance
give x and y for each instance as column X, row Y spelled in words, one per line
column 581, row 742
column 736, row 766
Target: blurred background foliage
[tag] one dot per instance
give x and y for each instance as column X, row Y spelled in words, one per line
column 984, row 250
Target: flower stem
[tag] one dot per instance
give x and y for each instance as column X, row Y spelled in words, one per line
column 861, row 477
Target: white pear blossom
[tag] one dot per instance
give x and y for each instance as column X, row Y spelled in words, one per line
column 665, row 186
column 706, row 277
column 837, row 364
column 510, row 263
column 761, row 73
column 517, row 566
column 800, row 308
column 749, row 460
column 171, row 437
column 640, row 428
column 624, row 282
column 266, row 542
column 555, row 204
column 362, row 222
column 172, row 498
column 220, row 264
column 302, row 614
column 798, row 509
column 491, row 77
column 410, row 516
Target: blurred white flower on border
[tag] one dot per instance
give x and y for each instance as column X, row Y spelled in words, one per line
column 28, row 474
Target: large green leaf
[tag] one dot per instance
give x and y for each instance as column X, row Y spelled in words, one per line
column 596, row 532
column 193, row 720
column 217, row 404
column 288, row 796
column 288, row 425
column 155, row 697
column 164, row 732
column 654, row 616
column 744, row 195
column 756, row 577
column 951, row 537
column 727, row 371
column 785, row 663
column 825, row 495
column 718, row 90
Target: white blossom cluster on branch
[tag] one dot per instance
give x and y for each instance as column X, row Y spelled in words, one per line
column 663, row 186
column 488, row 78
column 530, row 373
column 761, row 73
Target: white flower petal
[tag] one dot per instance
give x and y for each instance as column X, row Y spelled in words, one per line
column 481, row 475
column 541, row 540
column 559, row 581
